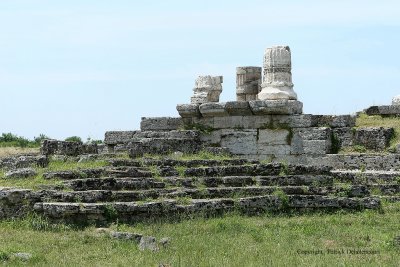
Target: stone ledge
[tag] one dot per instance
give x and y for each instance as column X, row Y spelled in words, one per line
column 213, row 110
column 276, row 107
column 390, row 110
column 238, row 108
column 188, row 110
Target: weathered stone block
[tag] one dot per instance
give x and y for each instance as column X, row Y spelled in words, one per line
column 248, row 83
column 213, row 138
column 24, row 162
column 177, row 134
column 334, row 121
column 240, row 142
column 238, row 108
column 161, row 124
column 207, row 89
column 297, row 145
column 55, row 147
column 118, row 137
column 256, row 122
column 316, row 147
column 188, row 110
column 314, row 133
column 292, row 121
column 21, row 173
column 276, row 107
column 163, row 146
column 376, row 138
column 213, row 110
column 228, row 122
column 344, row 136
column 392, row 110
column 273, row 137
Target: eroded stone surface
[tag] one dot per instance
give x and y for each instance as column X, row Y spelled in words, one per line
column 161, row 124
column 276, row 107
column 248, row 83
column 207, row 89
column 376, row 138
column 67, row 148
column 188, row 110
column 396, row 100
column 238, row 108
column 21, row 173
column 277, row 76
column 213, row 110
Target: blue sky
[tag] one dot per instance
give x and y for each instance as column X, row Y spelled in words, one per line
column 88, row 66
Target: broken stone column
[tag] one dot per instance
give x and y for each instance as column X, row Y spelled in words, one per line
column 248, row 82
column 277, row 77
column 207, row 89
column 396, row 100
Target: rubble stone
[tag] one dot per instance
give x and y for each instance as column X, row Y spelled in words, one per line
column 21, row 173
column 207, row 89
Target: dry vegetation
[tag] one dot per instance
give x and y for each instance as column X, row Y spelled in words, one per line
column 14, row 151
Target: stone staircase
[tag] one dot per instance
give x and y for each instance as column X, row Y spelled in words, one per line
column 137, row 190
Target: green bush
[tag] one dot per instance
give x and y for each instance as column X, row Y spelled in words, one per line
column 74, row 139
column 12, row 140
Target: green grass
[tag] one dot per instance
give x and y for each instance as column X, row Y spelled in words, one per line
column 232, row 240
column 363, row 120
column 34, row 182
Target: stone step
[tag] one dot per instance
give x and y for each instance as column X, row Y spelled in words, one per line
column 385, row 189
column 135, row 212
column 195, row 182
column 113, row 184
column 196, row 163
column 125, row 163
column 205, row 193
column 74, row 174
column 119, row 172
column 256, row 169
column 366, row 177
column 99, row 172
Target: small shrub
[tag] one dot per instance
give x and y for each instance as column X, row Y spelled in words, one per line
column 285, row 169
column 12, row 140
column 74, row 139
column 282, row 197
column 110, row 213
column 4, row 256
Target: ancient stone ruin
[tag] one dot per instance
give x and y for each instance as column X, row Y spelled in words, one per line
column 248, row 83
column 280, row 159
column 207, row 89
column 277, row 75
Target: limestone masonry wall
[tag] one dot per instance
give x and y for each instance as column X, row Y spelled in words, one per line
column 266, row 121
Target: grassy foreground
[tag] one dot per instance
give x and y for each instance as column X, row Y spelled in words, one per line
column 232, row 240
